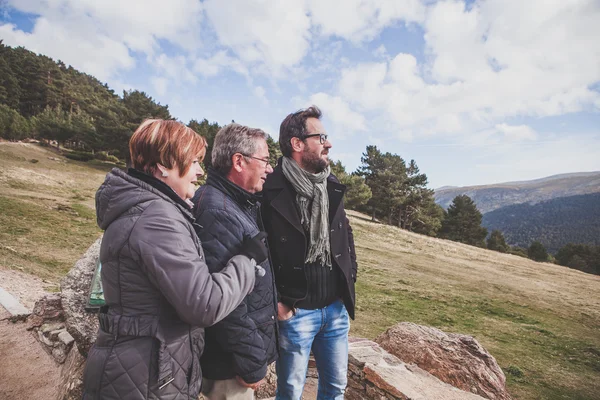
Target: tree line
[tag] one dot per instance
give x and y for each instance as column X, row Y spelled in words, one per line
column 48, row 100
column 463, row 224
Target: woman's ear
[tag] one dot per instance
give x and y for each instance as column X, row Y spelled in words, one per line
column 162, row 170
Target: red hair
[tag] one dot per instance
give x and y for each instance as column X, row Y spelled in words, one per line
column 166, row 142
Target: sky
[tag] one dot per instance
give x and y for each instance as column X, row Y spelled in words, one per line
column 476, row 92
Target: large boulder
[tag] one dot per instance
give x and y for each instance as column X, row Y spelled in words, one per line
column 456, row 359
column 373, row 373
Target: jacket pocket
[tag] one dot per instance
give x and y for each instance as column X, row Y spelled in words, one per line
column 264, row 316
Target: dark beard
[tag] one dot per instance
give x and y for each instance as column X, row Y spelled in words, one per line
column 313, row 163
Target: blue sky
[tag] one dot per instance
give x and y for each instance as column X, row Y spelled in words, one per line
column 476, row 92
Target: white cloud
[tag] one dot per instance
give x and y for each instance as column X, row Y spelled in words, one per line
column 260, row 92
column 496, row 60
column 270, row 33
column 175, row 68
column 380, row 52
column 217, row 63
column 99, row 37
column 160, row 85
column 364, row 80
column 97, row 55
column 360, row 20
column 516, row 132
column 336, row 110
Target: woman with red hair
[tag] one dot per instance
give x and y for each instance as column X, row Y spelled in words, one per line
column 159, row 293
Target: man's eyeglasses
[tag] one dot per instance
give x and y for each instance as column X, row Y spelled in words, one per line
column 322, row 137
column 267, row 161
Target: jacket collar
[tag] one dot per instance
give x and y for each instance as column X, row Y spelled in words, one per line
column 160, row 186
column 239, row 195
column 284, row 196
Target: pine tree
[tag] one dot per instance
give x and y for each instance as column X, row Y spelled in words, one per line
column 496, row 242
column 463, row 222
column 537, row 252
column 357, row 191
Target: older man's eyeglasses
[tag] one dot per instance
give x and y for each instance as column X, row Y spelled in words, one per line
column 322, row 137
column 266, row 161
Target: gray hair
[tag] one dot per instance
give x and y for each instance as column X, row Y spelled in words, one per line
column 231, row 139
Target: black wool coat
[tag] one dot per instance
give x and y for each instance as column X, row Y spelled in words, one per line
column 288, row 241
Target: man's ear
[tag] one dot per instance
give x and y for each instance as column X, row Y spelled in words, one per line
column 236, row 162
column 297, row 144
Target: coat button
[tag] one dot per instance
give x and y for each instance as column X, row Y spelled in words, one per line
column 340, row 225
column 283, row 239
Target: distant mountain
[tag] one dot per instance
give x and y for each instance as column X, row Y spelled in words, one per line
column 492, row 197
column 554, row 223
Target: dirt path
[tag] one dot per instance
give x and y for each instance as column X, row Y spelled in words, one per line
column 26, row 370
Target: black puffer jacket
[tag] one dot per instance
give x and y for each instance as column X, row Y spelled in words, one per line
column 159, row 293
column 245, row 342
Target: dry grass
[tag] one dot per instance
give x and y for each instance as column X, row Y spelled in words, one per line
column 47, row 217
column 540, row 321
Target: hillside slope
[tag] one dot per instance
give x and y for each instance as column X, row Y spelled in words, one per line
column 540, row 321
column 492, row 197
column 554, row 223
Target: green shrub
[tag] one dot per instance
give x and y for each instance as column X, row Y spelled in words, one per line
column 104, row 156
column 79, row 156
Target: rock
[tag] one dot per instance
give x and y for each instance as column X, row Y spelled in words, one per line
column 53, row 335
column 46, row 311
column 70, row 386
column 456, row 359
column 81, row 325
column 60, row 354
column 384, row 376
column 66, row 338
column 267, row 389
column 47, row 328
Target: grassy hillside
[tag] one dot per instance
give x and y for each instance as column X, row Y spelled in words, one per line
column 540, row 321
column 47, row 202
column 492, row 197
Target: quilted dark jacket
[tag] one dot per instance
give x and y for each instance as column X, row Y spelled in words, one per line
column 245, row 342
column 159, row 293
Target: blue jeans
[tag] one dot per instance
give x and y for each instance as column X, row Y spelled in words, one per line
column 325, row 331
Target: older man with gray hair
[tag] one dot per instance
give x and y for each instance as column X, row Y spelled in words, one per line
column 240, row 347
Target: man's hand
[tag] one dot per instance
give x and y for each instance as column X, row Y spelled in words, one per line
column 252, row 386
column 283, row 312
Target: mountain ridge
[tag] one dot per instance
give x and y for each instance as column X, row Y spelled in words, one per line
column 494, row 196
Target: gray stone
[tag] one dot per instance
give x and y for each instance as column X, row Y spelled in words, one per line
column 59, row 353
column 66, row 338
column 12, row 305
column 81, row 325
column 388, row 377
column 53, row 335
column 47, row 328
column 70, row 386
column 46, row 341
